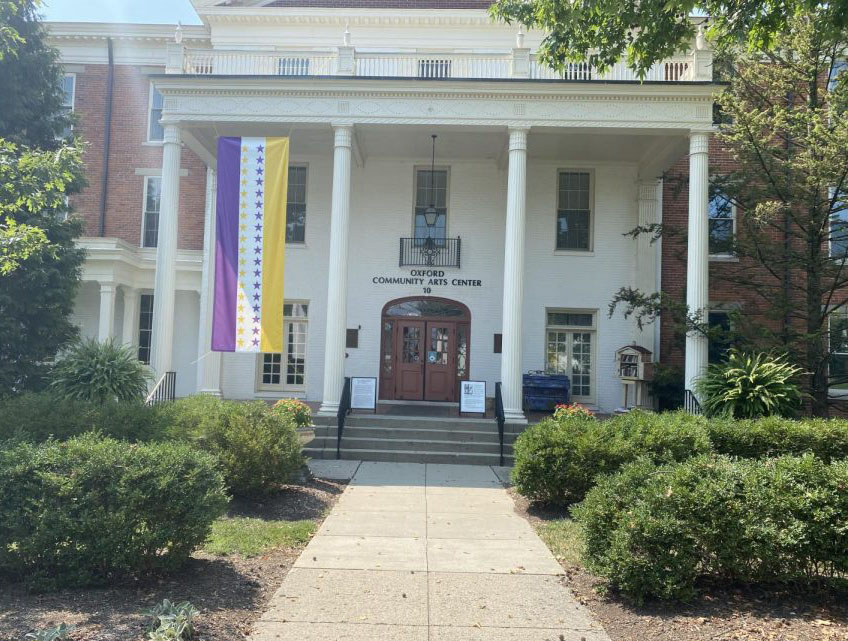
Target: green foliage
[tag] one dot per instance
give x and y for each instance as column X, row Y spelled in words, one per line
column 298, row 411
column 564, row 538
column 750, row 386
column 36, row 417
column 667, row 387
column 776, row 436
column 557, row 461
column 653, row 531
column 60, row 633
column 647, row 32
column 251, row 537
column 100, row 372
column 171, row 621
column 258, row 449
column 93, row 510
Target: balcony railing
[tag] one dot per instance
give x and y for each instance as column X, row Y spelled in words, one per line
column 430, row 252
column 345, row 61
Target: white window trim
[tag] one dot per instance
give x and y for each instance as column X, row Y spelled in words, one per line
column 305, row 165
column 833, row 392
column 830, row 194
column 593, row 330
column 590, row 250
column 144, row 213
column 147, row 139
column 415, row 170
column 725, row 256
column 282, row 387
column 73, row 104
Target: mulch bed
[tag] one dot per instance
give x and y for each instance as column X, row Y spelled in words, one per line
column 230, row 592
column 720, row 613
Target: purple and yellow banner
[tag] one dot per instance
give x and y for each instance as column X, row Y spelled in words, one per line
column 250, row 244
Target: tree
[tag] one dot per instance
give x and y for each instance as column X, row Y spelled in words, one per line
column 39, row 263
column 785, row 125
column 649, row 31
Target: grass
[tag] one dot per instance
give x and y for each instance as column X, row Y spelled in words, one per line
column 252, row 537
column 564, row 538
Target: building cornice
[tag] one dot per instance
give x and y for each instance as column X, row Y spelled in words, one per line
column 162, row 33
column 342, row 16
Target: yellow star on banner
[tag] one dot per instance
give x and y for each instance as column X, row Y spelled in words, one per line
column 242, row 273
column 240, row 331
column 244, row 194
column 242, row 239
column 244, row 183
column 242, row 261
column 244, row 227
column 241, row 309
column 244, row 149
column 241, row 343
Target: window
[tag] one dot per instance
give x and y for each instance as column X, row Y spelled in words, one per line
column 431, row 188
column 722, row 213
column 296, row 205
column 155, row 131
column 288, row 370
column 145, row 327
column 152, row 200
column 838, row 370
column 837, row 68
column 574, row 214
column 69, row 91
column 570, row 338
column 718, row 321
column 839, row 228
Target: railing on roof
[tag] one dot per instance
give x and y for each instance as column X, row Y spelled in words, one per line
column 425, row 65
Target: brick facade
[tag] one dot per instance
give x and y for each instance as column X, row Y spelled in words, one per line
column 129, row 153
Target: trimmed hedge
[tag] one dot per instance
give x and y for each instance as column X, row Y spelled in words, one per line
column 557, row 461
column 258, row 449
column 37, row 417
column 653, row 531
column 92, row 510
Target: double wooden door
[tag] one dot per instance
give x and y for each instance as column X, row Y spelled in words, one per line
column 426, row 361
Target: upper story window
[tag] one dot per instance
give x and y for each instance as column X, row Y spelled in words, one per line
column 839, row 228
column 155, row 131
column 719, row 342
column 722, row 225
column 574, row 211
column 152, row 200
column 296, row 205
column 431, row 189
column 69, row 91
column 838, row 67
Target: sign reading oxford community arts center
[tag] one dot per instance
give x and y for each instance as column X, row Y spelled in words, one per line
column 427, row 279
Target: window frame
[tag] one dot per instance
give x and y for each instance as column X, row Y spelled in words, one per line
column 299, row 243
column 835, row 392
column 734, row 218
column 447, row 170
column 282, row 386
column 73, row 106
column 143, row 329
column 831, row 194
column 593, row 329
column 147, row 180
column 570, row 251
column 148, row 139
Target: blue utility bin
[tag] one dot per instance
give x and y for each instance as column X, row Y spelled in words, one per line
column 543, row 392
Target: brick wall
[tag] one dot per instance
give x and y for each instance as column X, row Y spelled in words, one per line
column 129, row 152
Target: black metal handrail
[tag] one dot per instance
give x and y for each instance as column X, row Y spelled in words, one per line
column 500, row 417
column 344, row 410
column 164, row 390
column 430, row 252
column 691, row 404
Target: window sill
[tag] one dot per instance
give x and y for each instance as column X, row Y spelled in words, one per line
column 723, row 258
column 153, row 143
column 296, row 392
column 302, row 245
column 574, row 252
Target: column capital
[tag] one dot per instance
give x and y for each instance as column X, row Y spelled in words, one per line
column 518, row 138
column 699, row 142
column 342, row 135
column 172, row 135
column 107, row 287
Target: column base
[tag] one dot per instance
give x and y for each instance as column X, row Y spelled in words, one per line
column 515, row 416
column 328, row 409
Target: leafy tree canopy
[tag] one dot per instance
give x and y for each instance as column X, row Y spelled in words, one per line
column 648, row 31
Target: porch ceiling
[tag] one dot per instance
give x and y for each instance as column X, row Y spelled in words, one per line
column 653, row 150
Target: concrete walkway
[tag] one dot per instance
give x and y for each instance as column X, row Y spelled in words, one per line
column 425, row 553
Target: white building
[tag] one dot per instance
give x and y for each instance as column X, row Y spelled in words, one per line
column 538, row 177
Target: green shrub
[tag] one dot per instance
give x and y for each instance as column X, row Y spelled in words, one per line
column 557, row 461
column 775, row 436
column 171, row 621
column 258, row 449
column 37, row 417
column 750, row 386
column 653, row 531
column 91, row 510
column 296, row 410
column 100, row 372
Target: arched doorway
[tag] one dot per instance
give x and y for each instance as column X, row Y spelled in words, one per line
column 425, row 349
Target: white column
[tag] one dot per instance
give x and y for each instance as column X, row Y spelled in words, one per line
column 513, row 292
column 697, row 266
column 208, row 362
column 334, row 348
column 129, row 332
column 164, row 293
column 646, row 251
column 106, row 324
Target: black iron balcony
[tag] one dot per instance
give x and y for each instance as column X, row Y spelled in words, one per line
column 430, row 252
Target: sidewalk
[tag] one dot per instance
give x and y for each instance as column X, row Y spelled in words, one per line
column 425, row 553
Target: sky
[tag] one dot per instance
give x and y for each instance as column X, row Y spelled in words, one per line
column 144, row 11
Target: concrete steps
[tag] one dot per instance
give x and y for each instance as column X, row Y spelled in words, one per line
column 413, row 439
